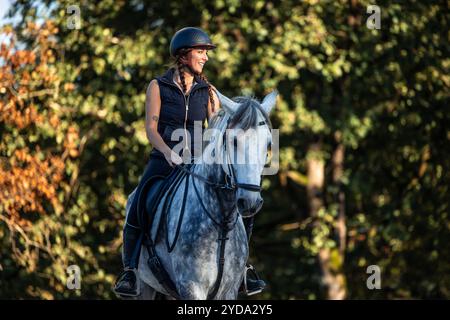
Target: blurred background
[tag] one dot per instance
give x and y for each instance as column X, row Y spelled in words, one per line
column 362, row 192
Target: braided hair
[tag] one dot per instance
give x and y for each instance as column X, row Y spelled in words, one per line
column 180, row 66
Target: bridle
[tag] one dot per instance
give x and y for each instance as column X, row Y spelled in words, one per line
column 230, row 174
column 226, row 224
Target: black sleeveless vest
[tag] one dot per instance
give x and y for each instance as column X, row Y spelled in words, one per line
column 173, row 111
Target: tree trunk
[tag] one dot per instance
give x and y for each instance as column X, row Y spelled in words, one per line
column 338, row 173
column 334, row 280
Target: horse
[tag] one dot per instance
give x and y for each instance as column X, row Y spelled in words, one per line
column 206, row 249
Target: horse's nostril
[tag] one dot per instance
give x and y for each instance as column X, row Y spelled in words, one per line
column 260, row 203
column 257, row 207
column 241, row 204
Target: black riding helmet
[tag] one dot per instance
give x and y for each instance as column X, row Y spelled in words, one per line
column 190, row 37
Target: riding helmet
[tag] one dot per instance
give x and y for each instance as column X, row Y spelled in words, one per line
column 190, row 37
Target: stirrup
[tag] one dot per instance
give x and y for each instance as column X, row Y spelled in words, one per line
column 244, row 281
column 138, row 284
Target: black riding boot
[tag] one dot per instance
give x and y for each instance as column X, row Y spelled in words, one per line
column 127, row 284
column 252, row 283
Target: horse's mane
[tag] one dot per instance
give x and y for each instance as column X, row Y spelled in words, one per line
column 247, row 114
column 244, row 118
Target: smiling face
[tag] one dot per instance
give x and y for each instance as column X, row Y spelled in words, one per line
column 196, row 59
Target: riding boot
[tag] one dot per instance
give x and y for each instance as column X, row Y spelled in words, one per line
column 252, row 284
column 126, row 283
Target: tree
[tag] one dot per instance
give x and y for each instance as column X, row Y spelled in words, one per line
column 364, row 164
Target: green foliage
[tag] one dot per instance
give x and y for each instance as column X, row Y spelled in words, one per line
column 384, row 91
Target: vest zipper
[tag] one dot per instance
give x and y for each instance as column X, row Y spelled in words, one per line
column 186, row 103
column 185, row 117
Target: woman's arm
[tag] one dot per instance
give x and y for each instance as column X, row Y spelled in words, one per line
column 211, row 112
column 152, row 110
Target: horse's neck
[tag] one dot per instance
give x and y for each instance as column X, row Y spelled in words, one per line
column 211, row 170
column 226, row 199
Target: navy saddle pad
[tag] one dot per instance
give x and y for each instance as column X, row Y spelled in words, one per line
column 151, row 193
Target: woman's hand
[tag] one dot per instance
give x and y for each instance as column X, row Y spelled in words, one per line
column 173, row 158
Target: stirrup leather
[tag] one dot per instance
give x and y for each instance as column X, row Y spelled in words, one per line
column 138, row 284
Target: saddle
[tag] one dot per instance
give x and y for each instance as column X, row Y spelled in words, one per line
column 156, row 189
column 152, row 193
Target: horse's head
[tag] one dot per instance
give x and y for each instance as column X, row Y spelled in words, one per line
column 247, row 141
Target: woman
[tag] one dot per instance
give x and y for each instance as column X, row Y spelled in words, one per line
column 174, row 101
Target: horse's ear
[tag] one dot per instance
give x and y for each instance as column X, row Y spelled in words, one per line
column 229, row 105
column 269, row 101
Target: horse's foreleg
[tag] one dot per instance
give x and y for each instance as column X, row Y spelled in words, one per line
column 192, row 291
column 231, row 295
column 147, row 292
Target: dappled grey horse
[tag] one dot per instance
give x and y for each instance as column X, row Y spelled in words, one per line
column 202, row 244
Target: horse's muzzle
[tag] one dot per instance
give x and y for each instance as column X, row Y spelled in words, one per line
column 248, row 208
